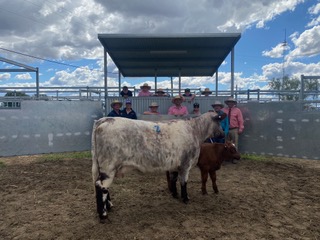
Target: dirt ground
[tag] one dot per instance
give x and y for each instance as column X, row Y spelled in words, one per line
column 270, row 199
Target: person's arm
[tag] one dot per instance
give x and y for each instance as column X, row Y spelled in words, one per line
column 240, row 122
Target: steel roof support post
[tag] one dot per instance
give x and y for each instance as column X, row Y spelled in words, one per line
column 37, row 83
column 105, row 63
column 171, row 86
column 179, row 81
column 232, row 73
column 155, row 80
column 217, row 83
column 119, row 79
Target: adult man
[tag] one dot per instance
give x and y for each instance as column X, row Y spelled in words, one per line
column 235, row 120
column 217, row 106
column 116, row 112
column 178, row 109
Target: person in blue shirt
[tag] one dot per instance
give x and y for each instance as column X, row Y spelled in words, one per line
column 128, row 112
column 116, row 112
column 217, row 106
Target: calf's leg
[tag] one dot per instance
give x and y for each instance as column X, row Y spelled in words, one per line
column 204, row 177
column 213, row 177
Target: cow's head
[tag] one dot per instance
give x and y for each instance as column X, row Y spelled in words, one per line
column 218, row 131
column 232, row 150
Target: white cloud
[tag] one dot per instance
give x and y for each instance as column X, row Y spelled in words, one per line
column 24, row 76
column 4, row 76
column 277, row 51
column 306, row 44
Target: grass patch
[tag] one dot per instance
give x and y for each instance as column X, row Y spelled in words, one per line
column 2, row 165
column 65, row 156
column 254, row 157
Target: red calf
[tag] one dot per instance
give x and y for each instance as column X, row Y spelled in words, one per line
column 211, row 157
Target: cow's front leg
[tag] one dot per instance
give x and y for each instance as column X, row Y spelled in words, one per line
column 173, row 176
column 184, row 193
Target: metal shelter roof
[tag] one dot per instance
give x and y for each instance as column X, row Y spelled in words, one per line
column 168, row 55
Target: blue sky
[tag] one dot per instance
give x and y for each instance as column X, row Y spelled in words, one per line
column 66, row 31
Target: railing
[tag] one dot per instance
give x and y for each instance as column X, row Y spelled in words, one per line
column 97, row 94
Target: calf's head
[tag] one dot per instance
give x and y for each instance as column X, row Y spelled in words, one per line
column 232, row 150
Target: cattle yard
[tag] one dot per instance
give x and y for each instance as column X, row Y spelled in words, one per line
column 51, row 197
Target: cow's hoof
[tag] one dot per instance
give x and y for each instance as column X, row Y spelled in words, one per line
column 174, row 195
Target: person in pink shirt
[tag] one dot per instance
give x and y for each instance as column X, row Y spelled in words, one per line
column 145, row 91
column 177, row 109
column 235, row 118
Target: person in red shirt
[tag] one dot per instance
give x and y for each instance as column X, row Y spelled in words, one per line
column 235, row 117
column 177, row 109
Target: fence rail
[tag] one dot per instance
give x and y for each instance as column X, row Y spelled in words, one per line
column 18, row 94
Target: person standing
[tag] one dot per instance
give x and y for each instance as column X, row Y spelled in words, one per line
column 196, row 109
column 116, row 112
column 125, row 92
column 153, row 109
column 128, row 112
column 145, row 91
column 235, row 119
column 177, row 109
column 217, row 107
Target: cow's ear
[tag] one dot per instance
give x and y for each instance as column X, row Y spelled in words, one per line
column 220, row 117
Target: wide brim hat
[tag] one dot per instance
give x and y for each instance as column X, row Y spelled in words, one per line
column 154, row 104
column 176, row 98
column 145, row 85
column 206, row 90
column 116, row 102
column 217, row 103
column 230, row 99
column 160, row 90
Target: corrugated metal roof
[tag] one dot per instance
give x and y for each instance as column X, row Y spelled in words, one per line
column 167, row 55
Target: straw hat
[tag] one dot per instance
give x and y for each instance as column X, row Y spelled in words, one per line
column 154, row 104
column 116, row 102
column 160, row 90
column 145, row 85
column 230, row 99
column 206, row 90
column 178, row 97
column 217, row 103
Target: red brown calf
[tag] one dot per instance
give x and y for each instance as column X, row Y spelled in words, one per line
column 211, row 157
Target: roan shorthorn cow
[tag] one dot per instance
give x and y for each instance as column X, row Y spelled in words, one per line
column 121, row 144
column 210, row 159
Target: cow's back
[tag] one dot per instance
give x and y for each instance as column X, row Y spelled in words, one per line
column 142, row 144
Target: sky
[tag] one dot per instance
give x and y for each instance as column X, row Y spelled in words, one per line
column 278, row 37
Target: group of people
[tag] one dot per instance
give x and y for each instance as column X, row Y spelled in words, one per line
column 232, row 124
column 145, row 92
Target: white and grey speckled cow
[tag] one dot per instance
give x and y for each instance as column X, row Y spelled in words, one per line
column 121, row 144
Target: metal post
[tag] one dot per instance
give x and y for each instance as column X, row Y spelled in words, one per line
column 155, row 81
column 216, row 83
column 37, row 84
column 171, row 86
column 302, row 88
column 232, row 73
column 105, row 81
column 179, row 81
column 119, row 79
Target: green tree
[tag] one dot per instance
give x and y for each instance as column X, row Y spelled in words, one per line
column 285, row 84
